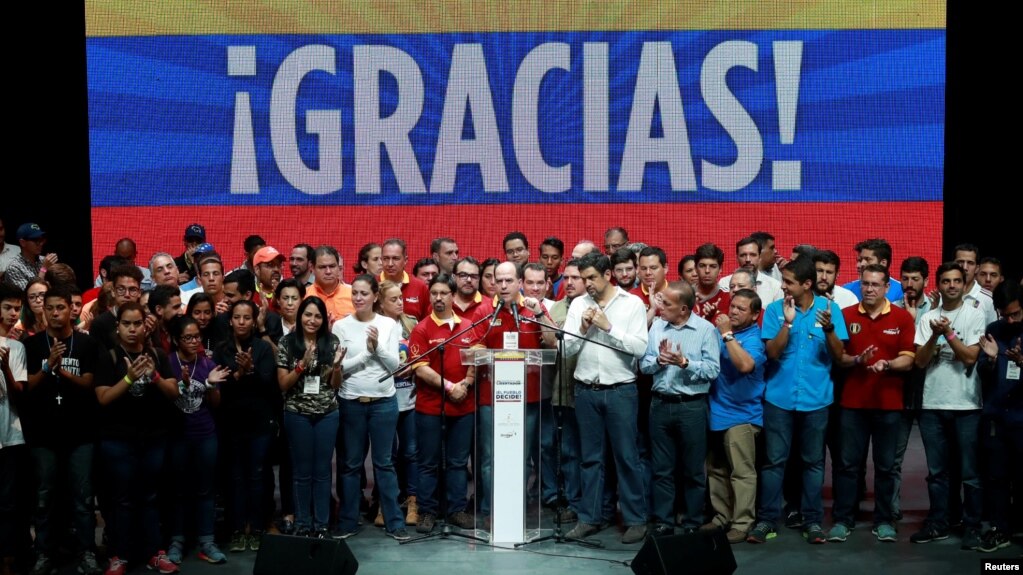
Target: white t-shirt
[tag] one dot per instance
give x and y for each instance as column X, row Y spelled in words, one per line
column 948, row 384
column 10, row 424
column 362, row 368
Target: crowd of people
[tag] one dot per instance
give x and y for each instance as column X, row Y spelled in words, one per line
column 703, row 404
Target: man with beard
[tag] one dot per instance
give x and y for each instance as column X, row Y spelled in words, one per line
column 827, row 263
column 195, row 235
column 874, row 251
column 467, row 298
column 973, row 294
column 127, row 282
column 711, row 300
column 267, row 263
column 623, row 266
column 948, row 345
column 301, row 264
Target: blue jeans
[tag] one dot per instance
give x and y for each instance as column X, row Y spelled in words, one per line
column 678, row 431
column 134, row 470
column 485, row 448
column 75, row 463
column 405, row 452
column 194, row 463
column 861, row 429
column 248, row 456
column 780, row 427
column 456, row 444
column 542, row 453
column 943, row 431
column 906, row 420
column 612, row 410
column 376, row 422
column 1003, row 463
column 311, row 443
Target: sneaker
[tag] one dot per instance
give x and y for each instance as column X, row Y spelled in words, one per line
column 117, row 566
column 321, row 533
column 662, row 530
column 839, row 533
column 412, row 511
column 761, row 533
column 634, row 534
column 794, row 520
column 159, row 562
column 927, row 534
column 993, row 540
column 426, row 522
column 462, row 519
column 87, row 564
column 971, row 539
column 399, row 534
column 735, row 536
column 253, row 540
column 814, row 534
column 342, row 533
column 885, row 532
column 210, row 553
column 43, row 566
column 238, row 542
column 582, row 530
column 287, row 526
column 176, row 551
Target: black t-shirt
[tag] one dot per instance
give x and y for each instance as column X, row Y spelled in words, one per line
column 143, row 411
column 57, row 412
column 249, row 406
column 104, row 329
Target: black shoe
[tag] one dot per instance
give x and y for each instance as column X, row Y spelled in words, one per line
column 928, row 533
column 794, row 520
column 993, row 540
column 971, row 539
column 663, row 530
column 287, row 527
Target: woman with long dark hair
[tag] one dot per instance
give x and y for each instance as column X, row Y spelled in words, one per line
column 247, row 400
column 202, row 309
column 193, row 449
column 135, row 392
column 369, row 408
column 33, row 319
column 369, row 260
column 309, row 373
column 289, row 294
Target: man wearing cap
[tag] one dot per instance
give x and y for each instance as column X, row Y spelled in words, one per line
column 196, row 258
column 9, row 251
column 195, row 235
column 267, row 265
column 29, row 264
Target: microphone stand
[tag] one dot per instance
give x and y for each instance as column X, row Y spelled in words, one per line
column 445, row 531
column 558, row 535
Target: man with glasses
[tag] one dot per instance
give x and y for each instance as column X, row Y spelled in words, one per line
column 615, row 239
column 30, row 263
column 414, row 292
column 467, row 297
column 127, row 282
column 516, row 248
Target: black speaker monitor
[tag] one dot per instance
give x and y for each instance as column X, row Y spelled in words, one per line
column 290, row 555
column 691, row 554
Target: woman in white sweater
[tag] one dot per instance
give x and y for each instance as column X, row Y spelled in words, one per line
column 369, row 408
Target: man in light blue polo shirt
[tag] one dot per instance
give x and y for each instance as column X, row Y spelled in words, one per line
column 874, row 251
column 803, row 333
column 682, row 354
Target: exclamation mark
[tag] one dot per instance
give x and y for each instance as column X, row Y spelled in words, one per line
column 788, row 59
column 241, row 61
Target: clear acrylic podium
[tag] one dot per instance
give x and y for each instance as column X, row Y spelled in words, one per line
column 508, row 378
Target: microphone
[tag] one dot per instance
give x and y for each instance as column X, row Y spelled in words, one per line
column 493, row 316
column 515, row 314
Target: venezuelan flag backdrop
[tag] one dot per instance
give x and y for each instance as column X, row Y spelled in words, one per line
column 684, row 122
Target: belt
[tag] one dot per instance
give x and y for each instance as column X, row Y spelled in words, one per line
column 600, row 386
column 369, row 399
column 681, row 398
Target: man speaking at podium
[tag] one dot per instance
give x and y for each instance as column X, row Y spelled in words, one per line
column 513, row 308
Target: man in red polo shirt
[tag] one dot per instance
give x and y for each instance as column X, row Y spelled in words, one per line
column 879, row 354
column 711, row 300
column 652, row 271
column 468, row 299
column 454, row 380
column 508, row 278
column 414, row 291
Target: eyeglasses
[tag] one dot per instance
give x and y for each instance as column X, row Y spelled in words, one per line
column 35, row 296
column 191, row 337
column 467, row 276
column 121, row 290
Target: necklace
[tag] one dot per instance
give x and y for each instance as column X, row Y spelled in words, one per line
column 71, row 349
column 952, row 320
column 182, row 365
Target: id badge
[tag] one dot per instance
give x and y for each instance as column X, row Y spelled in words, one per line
column 311, row 385
column 1012, row 371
